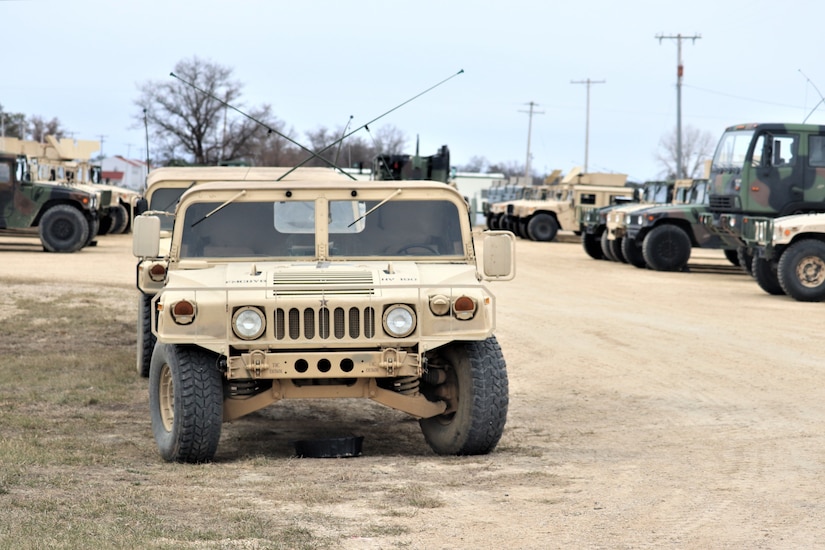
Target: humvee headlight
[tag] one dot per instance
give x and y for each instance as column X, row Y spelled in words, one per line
column 399, row 320
column 439, row 305
column 464, row 308
column 183, row 312
column 248, row 323
column 157, row 272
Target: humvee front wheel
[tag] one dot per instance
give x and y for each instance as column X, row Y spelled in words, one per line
column 592, row 246
column 186, row 402
column 145, row 338
column 801, row 270
column 475, row 388
column 120, row 219
column 63, row 228
column 607, row 251
column 666, row 248
column 765, row 273
column 542, row 227
column 633, row 252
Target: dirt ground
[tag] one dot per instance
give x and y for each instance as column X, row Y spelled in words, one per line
column 647, row 409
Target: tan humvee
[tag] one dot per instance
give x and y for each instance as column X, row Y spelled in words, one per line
column 540, row 220
column 317, row 286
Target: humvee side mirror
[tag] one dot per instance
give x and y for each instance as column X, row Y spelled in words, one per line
column 141, row 206
column 146, row 237
column 499, row 255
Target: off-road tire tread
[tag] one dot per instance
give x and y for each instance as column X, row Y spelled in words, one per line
column 146, row 340
column 633, row 253
column 53, row 243
column 765, row 273
column 542, row 227
column 666, row 248
column 591, row 243
column 786, row 270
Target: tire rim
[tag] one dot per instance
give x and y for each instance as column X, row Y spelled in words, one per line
column 811, row 271
column 166, row 394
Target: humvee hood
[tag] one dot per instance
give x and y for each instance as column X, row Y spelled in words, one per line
column 350, row 275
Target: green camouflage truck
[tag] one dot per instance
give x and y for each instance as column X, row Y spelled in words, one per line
column 63, row 217
column 764, row 170
column 314, row 286
column 661, row 237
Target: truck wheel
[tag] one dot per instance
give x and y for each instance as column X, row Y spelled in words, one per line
column 732, row 256
column 745, row 259
column 186, row 402
column 145, row 338
column 105, row 224
column 606, row 250
column 63, row 228
column 802, row 270
column 764, row 271
column 542, row 227
column 495, row 221
column 490, row 221
column 521, row 227
column 616, row 249
column 592, row 246
column 94, row 228
column 476, row 393
column 633, row 252
column 120, row 219
column 666, row 248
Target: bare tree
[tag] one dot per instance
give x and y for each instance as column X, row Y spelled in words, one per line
column 12, row 124
column 196, row 124
column 476, row 164
column 697, row 147
column 39, row 128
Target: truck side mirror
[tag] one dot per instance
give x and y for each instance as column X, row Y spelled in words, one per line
column 146, row 237
column 499, row 255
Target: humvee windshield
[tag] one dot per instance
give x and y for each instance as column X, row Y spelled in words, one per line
column 732, row 150
column 287, row 229
column 166, row 200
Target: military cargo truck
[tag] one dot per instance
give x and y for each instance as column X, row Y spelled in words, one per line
column 61, row 216
column 542, row 219
column 315, row 286
column 764, row 170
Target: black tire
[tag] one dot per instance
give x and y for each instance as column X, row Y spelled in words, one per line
column 145, row 339
column 633, row 253
column 616, row 249
column 604, row 242
column 745, row 259
column 495, row 221
column 732, row 256
column 765, row 273
column 476, row 379
column 105, row 225
column 63, row 228
column 186, row 402
column 542, row 227
column 666, row 248
column 120, row 219
column 802, row 270
column 521, row 229
column 592, row 246
column 94, row 229
column 490, row 221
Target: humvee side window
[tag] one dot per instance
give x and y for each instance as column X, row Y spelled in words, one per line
column 588, row 198
column 166, row 200
column 816, row 151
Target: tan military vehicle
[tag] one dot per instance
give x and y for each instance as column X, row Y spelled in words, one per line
column 316, row 286
column 541, row 220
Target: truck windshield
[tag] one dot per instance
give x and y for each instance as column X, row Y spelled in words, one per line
column 398, row 228
column 732, row 150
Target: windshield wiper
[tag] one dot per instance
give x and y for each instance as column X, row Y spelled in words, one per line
column 222, row 206
column 374, row 208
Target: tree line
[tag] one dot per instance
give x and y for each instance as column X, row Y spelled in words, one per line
column 199, row 118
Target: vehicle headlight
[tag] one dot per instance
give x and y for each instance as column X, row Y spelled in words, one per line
column 248, row 323
column 399, row 320
column 183, row 312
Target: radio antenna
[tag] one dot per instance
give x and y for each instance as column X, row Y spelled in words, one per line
column 821, row 100
column 366, row 124
column 338, row 152
column 148, row 167
column 268, row 128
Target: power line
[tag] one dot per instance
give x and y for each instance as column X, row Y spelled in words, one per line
column 531, row 112
column 587, row 119
column 680, row 71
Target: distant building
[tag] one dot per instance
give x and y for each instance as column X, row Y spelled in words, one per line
column 474, row 186
column 124, row 172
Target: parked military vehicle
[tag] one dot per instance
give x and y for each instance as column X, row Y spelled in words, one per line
column 60, row 215
column 594, row 221
column 413, row 167
column 764, row 170
column 315, row 286
column 503, row 191
column 788, row 254
column 542, row 219
column 661, row 237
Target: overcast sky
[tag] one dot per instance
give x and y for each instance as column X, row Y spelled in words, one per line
column 318, row 62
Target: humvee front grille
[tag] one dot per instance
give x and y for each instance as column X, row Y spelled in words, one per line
column 322, row 324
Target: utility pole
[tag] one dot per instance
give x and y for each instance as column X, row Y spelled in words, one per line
column 102, row 139
column 587, row 123
column 680, row 71
column 531, row 112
